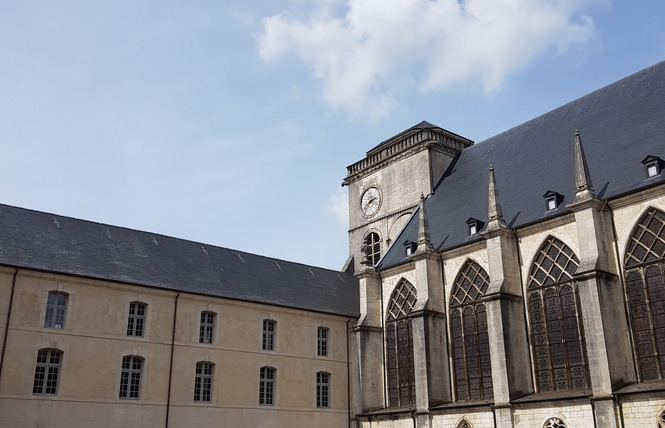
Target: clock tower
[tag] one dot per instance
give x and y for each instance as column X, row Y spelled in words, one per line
column 385, row 187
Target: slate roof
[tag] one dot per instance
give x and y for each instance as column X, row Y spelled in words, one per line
column 48, row 242
column 619, row 125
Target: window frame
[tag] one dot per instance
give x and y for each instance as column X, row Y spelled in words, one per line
column 471, row 365
column 47, row 372
column 131, row 377
column 203, row 381
column 322, row 390
column 56, row 310
column 207, row 324
column 269, row 335
column 267, row 381
column 556, row 326
column 136, row 322
column 322, row 341
column 372, row 248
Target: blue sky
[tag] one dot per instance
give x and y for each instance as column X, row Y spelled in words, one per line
column 232, row 123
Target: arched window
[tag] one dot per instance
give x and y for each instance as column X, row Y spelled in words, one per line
column 661, row 419
column 136, row 319
column 399, row 346
column 645, row 286
column 130, row 377
column 47, row 372
column 322, row 389
column 472, row 369
column 56, row 306
column 372, row 248
column 463, row 424
column 554, row 423
column 557, row 331
column 203, row 381
column 267, row 386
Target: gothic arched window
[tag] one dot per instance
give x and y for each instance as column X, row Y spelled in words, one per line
column 468, row 324
column 645, row 286
column 399, row 346
column 557, row 331
column 372, row 248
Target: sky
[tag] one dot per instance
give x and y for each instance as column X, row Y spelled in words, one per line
column 232, row 123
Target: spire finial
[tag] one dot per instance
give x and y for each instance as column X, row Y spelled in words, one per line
column 424, row 242
column 583, row 186
column 495, row 213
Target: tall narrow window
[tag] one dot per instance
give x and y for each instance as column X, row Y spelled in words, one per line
column 472, row 369
column 130, row 378
column 322, row 342
column 399, row 346
column 372, row 248
column 645, row 286
column 207, row 328
column 56, row 306
column 203, row 381
column 557, row 331
column 47, row 372
column 267, row 386
column 322, row 390
column 136, row 319
column 268, row 342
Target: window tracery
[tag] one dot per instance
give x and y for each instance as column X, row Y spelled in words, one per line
column 399, row 346
column 554, row 423
column 645, row 288
column 557, row 330
column 472, row 368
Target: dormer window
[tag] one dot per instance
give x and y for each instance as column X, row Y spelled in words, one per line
column 410, row 247
column 474, row 225
column 653, row 165
column 553, row 200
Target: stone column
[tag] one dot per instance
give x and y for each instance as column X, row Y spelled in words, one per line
column 430, row 350
column 368, row 335
column 601, row 295
column 601, row 300
column 509, row 351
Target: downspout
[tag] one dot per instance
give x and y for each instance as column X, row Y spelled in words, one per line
column 9, row 314
column 383, row 349
column 349, row 388
column 168, row 397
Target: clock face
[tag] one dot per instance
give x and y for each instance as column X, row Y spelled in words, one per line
column 371, row 201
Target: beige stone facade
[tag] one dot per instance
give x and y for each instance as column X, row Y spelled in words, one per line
column 93, row 341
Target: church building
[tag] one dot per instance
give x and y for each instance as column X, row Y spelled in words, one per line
column 517, row 282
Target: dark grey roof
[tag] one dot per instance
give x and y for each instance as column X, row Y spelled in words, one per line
column 47, row 242
column 619, row 125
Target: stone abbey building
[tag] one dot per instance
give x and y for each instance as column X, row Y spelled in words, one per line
column 515, row 282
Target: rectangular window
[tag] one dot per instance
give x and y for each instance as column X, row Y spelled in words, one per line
column 207, row 328
column 203, row 382
column 267, row 386
column 130, row 379
column 55, row 310
column 268, row 343
column 47, row 372
column 136, row 319
column 322, row 390
column 322, row 342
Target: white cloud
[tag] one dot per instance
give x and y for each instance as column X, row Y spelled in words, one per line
column 339, row 207
column 365, row 52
